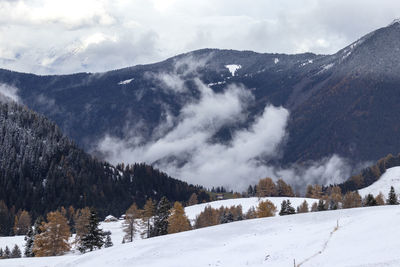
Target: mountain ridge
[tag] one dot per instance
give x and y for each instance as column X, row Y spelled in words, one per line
column 334, row 100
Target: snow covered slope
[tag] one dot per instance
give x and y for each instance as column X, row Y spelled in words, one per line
column 11, row 241
column 365, row 237
column 390, row 178
column 246, row 203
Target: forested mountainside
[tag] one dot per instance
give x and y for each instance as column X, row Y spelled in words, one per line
column 343, row 104
column 42, row 170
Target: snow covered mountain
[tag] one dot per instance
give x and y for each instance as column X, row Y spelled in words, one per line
column 352, row 237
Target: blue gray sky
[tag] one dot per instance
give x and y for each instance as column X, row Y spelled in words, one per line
column 54, row 36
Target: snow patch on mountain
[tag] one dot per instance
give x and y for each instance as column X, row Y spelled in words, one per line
column 276, row 60
column 125, row 81
column 233, row 68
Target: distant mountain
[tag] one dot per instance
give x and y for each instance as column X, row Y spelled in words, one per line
column 42, row 170
column 345, row 103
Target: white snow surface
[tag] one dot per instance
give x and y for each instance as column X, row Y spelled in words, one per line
column 391, row 177
column 247, row 203
column 233, row 68
column 365, row 237
column 125, row 81
column 11, row 241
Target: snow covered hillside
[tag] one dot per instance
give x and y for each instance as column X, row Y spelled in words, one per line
column 246, row 203
column 390, row 178
column 365, row 237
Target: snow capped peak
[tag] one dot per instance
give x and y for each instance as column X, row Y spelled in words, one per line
column 395, row 21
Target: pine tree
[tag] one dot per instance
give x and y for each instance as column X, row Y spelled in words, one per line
column 266, row 209
column 16, row 252
column 286, row 208
column 380, row 199
column 131, row 215
column 392, row 199
column 226, row 217
column 321, row 205
column 335, row 197
column 22, row 223
column 193, row 200
column 352, row 200
column 283, row 189
column 207, row 217
column 94, row 238
column 7, row 253
column 108, row 243
column 36, row 226
column 161, row 218
column 148, row 213
column 178, row 221
column 81, row 222
column 53, row 239
column 266, row 188
column 1, row 253
column 29, row 241
column 250, row 191
column 5, row 222
column 370, row 201
column 251, row 213
column 314, row 207
column 303, row 208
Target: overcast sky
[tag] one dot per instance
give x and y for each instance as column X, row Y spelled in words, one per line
column 51, row 36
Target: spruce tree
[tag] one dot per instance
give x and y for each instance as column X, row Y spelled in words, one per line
column 29, row 241
column 16, row 252
column 286, row 208
column 161, row 218
column 108, row 243
column 94, row 238
column 392, row 200
column 1, row 253
column 321, row 205
column 7, row 253
column 370, row 200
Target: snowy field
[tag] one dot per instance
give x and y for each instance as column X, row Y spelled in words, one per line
column 246, row 203
column 365, row 237
column 390, row 178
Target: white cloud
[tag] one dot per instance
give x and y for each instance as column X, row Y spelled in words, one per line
column 9, row 93
column 42, row 35
column 184, row 146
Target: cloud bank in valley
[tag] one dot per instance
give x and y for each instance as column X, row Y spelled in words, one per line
column 184, row 146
